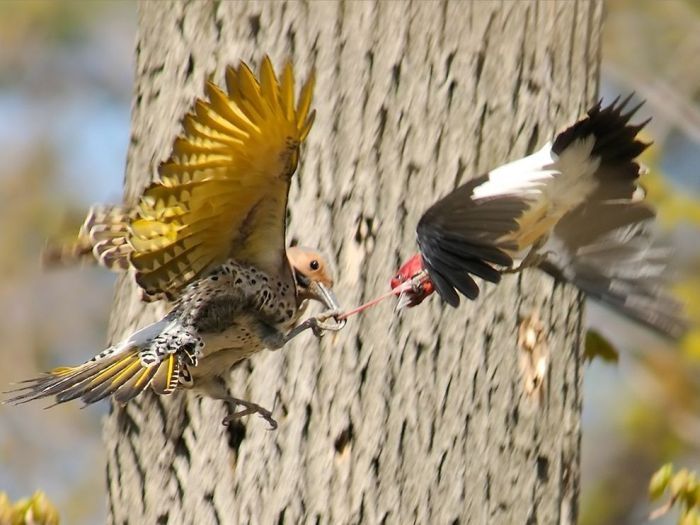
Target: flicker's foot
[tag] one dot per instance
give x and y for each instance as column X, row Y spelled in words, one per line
column 250, row 409
column 318, row 325
column 321, row 321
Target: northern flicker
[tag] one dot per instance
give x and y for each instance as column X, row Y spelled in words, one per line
column 208, row 234
column 573, row 209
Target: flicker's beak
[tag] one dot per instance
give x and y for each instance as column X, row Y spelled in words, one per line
column 322, row 294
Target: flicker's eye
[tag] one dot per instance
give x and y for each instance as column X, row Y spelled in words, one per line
column 314, row 265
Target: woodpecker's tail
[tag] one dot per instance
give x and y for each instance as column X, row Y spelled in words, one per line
column 605, row 245
column 122, row 371
column 103, row 238
column 609, row 251
column 615, row 146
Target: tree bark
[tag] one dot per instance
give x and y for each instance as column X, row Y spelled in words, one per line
column 419, row 419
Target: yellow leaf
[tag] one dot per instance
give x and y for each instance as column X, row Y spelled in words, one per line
column 5, row 509
column 691, row 517
column 691, row 344
column 37, row 510
column 679, row 483
column 659, row 481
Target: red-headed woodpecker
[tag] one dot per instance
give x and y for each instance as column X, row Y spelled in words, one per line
column 573, row 209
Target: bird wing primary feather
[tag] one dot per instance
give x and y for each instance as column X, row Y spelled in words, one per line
column 122, row 371
column 463, row 235
column 223, row 191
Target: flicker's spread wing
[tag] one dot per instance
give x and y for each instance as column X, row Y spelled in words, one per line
column 156, row 356
column 223, row 191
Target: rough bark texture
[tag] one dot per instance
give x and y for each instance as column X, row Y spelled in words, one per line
column 421, row 419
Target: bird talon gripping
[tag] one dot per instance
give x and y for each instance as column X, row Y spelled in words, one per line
column 316, row 328
column 334, row 326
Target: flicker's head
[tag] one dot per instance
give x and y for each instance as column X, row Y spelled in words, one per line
column 312, row 276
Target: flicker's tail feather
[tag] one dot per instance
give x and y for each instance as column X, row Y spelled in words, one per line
column 103, row 237
column 120, row 372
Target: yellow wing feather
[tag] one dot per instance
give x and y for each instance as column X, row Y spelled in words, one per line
column 223, row 191
column 121, row 376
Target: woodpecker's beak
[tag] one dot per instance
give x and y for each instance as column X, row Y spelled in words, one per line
column 405, row 300
column 413, row 291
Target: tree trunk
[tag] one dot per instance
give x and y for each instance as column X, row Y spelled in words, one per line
column 419, row 419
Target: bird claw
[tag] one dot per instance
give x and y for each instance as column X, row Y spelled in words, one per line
column 315, row 326
column 322, row 318
column 250, row 409
column 318, row 325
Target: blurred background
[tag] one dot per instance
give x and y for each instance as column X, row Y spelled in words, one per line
column 66, row 71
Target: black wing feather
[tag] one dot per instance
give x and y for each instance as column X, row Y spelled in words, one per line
column 460, row 236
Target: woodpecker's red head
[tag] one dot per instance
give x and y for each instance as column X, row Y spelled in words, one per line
column 413, row 295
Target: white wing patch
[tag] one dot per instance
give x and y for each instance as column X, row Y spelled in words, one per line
column 526, row 177
column 563, row 182
column 551, row 184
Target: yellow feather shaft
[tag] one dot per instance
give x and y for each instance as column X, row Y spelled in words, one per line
column 287, row 92
column 229, row 110
column 305, row 97
column 170, row 370
column 250, row 90
column 234, row 93
column 99, row 378
column 197, row 130
column 208, row 115
column 307, row 126
column 269, row 85
column 128, row 370
column 144, row 375
column 63, row 370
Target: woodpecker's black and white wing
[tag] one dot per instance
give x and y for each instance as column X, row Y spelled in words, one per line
column 462, row 235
